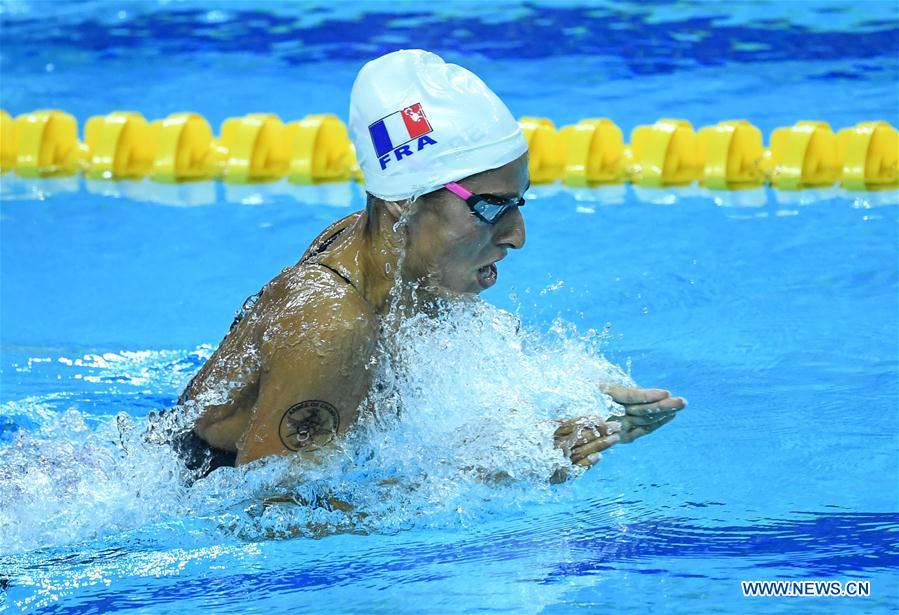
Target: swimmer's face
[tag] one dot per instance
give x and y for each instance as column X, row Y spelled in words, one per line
column 453, row 250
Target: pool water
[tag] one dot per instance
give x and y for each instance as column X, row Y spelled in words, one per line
column 776, row 314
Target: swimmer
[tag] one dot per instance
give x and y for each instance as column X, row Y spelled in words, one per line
column 446, row 170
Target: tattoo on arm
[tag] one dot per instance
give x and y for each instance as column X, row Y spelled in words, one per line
column 309, row 425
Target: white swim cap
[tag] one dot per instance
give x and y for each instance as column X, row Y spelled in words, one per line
column 418, row 123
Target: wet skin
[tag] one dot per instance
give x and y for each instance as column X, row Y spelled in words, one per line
column 290, row 376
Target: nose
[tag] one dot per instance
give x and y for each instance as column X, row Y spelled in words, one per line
column 509, row 229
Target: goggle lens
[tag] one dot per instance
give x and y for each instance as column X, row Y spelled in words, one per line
column 487, row 207
column 491, row 208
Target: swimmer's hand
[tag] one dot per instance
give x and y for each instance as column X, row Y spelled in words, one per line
column 583, row 438
column 645, row 410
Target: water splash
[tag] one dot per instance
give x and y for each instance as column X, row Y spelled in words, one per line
column 65, row 482
column 458, row 423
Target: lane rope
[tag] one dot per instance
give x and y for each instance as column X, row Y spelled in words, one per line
column 260, row 147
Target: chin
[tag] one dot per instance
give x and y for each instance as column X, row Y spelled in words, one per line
column 468, row 292
column 446, row 286
column 460, row 292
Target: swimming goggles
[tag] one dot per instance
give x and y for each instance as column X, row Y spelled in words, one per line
column 487, row 207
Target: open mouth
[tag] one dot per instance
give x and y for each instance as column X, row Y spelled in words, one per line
column 487, row 275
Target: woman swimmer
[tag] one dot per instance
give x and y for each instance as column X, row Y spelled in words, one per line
column 294, row 366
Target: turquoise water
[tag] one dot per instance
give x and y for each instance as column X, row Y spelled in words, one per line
column 775, row 314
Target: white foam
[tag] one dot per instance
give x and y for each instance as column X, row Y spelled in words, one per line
column 458, row 425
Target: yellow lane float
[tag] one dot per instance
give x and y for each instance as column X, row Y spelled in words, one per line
column 185, row 149
column 593, row 152
column 664, row 154
column 8, row 144
column 730, row 153
column 546, row 158
column 46, row 144
column 802, row 156
column 260, row 147
column 319, row 147
column 256, row 149
column 869, row 153
column 121, row 145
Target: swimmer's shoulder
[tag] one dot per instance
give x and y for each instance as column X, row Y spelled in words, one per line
column 318, row 331
column 310, row 294
column 312, row 298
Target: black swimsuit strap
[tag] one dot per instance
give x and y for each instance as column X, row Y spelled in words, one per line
column 324, row 245
column 337, row 273
column 321, row 248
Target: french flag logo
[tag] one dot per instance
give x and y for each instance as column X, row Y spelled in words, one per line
column 398, row 128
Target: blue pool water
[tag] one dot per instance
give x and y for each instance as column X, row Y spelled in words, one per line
column 776, row 315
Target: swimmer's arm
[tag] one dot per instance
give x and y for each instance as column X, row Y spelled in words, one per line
column 313, row 378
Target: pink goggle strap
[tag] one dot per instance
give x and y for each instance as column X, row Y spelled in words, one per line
column 458, row 190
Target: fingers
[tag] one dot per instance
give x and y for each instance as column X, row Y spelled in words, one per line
column 637, row 432
column 583, row 438
column 596, row 430
column 566, row 427
column 640, row 421
column 633, row 395
column 581, row 453
column 629, row 421
column 587, row 449
column 579, row 425
column 657, row 409
column 588, row 461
